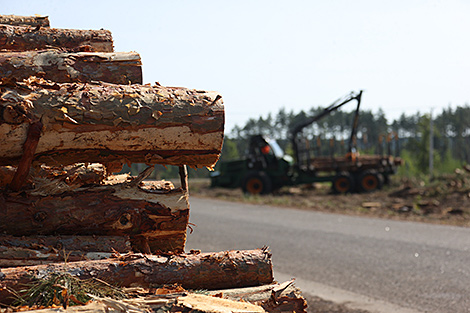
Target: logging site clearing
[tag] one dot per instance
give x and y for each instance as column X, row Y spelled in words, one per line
column 444, row 200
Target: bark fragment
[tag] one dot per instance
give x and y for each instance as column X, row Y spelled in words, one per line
column 29, row 149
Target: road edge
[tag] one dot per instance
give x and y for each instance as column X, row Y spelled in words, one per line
column 349, row 299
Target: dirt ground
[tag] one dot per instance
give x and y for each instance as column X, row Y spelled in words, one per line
column 319, row 305
column 445, row 200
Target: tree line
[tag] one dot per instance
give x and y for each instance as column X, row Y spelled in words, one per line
column 407, row 137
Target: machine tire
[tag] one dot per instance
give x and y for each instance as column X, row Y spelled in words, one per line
column 343, row 183
column 256, row 183
column 370, row 180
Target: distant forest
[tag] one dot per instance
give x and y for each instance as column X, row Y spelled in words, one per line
column 407, row 137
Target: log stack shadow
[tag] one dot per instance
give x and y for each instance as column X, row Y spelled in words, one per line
column 72, row 112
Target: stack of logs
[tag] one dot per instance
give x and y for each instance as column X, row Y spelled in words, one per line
column 72, row 112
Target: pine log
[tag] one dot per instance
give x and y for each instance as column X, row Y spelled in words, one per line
column 106, row 123
column 22, row 38
column 16, row 20
column 54, row 180
column 69, row 243
column 14, row 257
column 221, row 270
column 156, row 219
column 35, row 250
column 112, row 67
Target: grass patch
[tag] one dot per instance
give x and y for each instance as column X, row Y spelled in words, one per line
column 64, row 289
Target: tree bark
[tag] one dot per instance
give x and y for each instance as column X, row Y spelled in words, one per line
column 35, row 250
column 64, row 67
column 57, row 179
column 155, row 219
column 29, row 149
column 69, row 243
column 21, row 38
column 221, row 270
column 16, row 20
column 112, row 123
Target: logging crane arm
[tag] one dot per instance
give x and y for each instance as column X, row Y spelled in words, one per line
column 326, row 111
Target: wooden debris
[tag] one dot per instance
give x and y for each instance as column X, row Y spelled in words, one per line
column 64, row 67
column 283, row 297
column 22, row 38
column 228, row 269
column 112, row 123
column 260, row 299
column 371, row 205
column 202, row 303
column 16, row 20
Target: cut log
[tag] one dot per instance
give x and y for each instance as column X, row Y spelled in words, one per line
column 221, row 270
column 106, row 123
column 54, row 180
column 21, row 38
column 69, row 243
column 35, row 250
column 16, row 20
column 112, row 67
column 155, row 219
column 14, row 257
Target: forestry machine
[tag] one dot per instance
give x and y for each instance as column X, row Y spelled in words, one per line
column 266, row 168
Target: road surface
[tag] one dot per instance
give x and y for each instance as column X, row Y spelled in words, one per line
column 374, row 264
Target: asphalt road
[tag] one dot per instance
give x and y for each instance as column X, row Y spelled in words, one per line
column 380, row 265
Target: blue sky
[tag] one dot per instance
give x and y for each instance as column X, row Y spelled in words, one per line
column 407, row 55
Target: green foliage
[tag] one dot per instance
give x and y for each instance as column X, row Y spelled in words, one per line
column 229, row 150
column 447, row 163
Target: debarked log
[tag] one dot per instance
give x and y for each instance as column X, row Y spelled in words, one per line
column 17, row 20
column 112, row 67
column 35, row 250
column 24, row 38
column 221, row 270
column 155, row 220
column 104, row 123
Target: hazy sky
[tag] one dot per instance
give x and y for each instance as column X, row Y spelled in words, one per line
column 407, row 55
